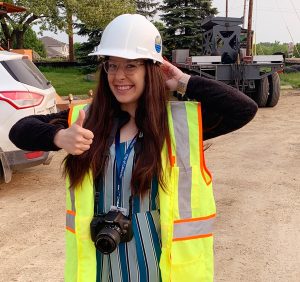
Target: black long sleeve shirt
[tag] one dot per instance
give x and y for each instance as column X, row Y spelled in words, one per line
column 224, row 109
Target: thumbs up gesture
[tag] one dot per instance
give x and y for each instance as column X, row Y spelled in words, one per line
column 75, row 140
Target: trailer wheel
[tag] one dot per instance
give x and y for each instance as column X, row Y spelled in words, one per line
column 274, row 84
column 262, row 92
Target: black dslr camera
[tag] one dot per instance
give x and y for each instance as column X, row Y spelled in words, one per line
column 110, row 229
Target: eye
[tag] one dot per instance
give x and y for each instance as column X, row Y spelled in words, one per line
column 112, row 66
column 131, row 66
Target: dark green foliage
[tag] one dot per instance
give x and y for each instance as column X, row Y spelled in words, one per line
column 182, row 24
column 1, row 37
column 269, row 48
column 147, row 8
column 31, row 41
column 85, row 48
column 297, row 50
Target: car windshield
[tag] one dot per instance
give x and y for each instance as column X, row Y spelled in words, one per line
column 26, row 72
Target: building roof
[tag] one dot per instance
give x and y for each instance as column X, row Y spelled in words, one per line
column 51, row 42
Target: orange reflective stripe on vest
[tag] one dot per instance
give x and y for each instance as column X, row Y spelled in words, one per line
column 193, row 228
column 70, row 216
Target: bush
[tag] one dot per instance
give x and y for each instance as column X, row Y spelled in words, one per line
column 292, row 79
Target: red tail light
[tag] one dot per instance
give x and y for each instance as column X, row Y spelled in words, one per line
column 21, row 99
column 34, row 155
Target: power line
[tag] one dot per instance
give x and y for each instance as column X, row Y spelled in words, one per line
column 288, row 29
column 256, row 13
column 295, row 10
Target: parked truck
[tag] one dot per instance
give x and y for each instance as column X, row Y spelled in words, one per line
column 224, row 58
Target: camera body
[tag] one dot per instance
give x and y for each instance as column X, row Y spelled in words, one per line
column 110, row 229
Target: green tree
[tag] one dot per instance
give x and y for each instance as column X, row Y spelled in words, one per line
column 96, row 14
column 296, row 52
column 94, row 36
column 56, row 15
column 269, row 48
column 1, row 36
column 147, row 8
column 31, row 41
column 15, row 25
column 182, row 19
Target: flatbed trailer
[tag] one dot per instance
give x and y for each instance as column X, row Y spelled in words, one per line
column 256, row 76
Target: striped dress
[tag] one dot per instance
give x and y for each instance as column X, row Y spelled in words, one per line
column 137, row 260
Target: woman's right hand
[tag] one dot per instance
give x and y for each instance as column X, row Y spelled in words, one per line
column 75, row 140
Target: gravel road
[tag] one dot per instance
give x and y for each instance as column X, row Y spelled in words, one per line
column 257, row 190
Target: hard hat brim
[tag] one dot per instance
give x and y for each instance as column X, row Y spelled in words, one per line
column 131, row 55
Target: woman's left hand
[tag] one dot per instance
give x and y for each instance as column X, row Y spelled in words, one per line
column 172, row 75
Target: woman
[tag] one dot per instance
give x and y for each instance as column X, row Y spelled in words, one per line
column 140, row 205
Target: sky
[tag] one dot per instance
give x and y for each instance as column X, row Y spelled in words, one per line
column 273, row 20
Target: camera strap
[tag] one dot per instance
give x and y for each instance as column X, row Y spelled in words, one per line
column 121, row 163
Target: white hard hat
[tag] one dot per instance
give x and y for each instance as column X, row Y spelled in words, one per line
column 131, row 37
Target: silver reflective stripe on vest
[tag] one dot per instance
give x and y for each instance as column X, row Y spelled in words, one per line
column 181, row 132
column 70, row 217
column 194, row 228
column 86, row 108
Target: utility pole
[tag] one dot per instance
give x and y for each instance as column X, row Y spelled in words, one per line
column 226, row 8
column 244, row 15
column 249, row 31
column 70, row 34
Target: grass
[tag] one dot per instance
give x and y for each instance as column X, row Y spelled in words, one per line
column 68, row 81
column 292, row 79
column 73, row 80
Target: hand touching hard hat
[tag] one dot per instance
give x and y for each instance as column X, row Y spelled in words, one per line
column 173, row 75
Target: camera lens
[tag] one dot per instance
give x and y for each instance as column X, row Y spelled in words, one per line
column 107, row 240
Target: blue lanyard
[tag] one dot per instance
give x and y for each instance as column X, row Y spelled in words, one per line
column 121, row 163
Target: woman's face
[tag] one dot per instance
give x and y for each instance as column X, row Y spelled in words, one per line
column 126, row 79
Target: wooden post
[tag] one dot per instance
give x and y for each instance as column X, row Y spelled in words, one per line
column 244, row 14
column 249, row 31
column 70, row 35
column 226, row 8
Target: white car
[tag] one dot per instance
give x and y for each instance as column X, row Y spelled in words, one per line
column 24, row 91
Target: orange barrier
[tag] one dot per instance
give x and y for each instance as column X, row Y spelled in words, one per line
column 64, row 104
column 26, row 52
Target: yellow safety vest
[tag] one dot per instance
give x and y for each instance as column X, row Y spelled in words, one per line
column 187, row 207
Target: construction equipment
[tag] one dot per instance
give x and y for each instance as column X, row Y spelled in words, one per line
column 224, row 58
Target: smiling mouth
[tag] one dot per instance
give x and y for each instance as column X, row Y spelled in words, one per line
column 124, row 87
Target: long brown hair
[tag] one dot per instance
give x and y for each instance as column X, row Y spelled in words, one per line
column 151, row 119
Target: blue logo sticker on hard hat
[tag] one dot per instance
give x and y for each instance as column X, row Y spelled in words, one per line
column 158, row 44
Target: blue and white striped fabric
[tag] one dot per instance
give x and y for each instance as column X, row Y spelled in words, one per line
column 137, row 260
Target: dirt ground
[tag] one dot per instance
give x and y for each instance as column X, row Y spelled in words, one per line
column 256, row 174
